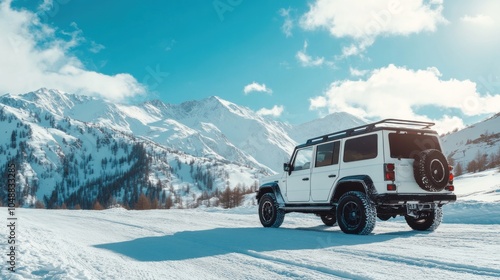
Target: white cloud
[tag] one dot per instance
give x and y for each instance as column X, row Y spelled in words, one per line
column 33, row 57
column 276, row 111
column 478, row 19
column 95, row 47
column 398, row 92
column 363, row 21
column 256, row 87
column 288, row 23
column 357, row 73
column 46, row 5
column 307, row 60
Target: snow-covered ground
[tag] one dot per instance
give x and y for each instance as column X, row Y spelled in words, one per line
column 231, row 244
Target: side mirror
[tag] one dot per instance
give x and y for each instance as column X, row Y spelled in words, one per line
column 287, row 167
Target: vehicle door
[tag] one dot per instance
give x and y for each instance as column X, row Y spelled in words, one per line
column 299, row 178
column 325, row 171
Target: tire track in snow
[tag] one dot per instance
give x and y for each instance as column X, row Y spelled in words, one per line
column 273, row 269
column 412, row 261
column 323, row 271
column 118, row 223
column 317, row 269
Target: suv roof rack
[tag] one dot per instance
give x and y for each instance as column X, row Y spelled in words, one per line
column 367, row 128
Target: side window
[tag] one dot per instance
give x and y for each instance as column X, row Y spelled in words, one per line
column 327, row 154
column 303, row 159
column 360, row 148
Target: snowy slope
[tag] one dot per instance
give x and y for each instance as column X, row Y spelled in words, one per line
column 211, row 243
column 238, row 131
column 483, row 138
column 478, row 199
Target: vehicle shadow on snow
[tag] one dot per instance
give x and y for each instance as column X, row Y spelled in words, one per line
column 219, row 241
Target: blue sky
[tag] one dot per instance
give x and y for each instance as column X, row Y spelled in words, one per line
column 294, row 61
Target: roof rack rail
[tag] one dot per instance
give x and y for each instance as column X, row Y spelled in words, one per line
column 369, row 127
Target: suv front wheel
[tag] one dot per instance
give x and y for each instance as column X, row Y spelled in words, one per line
column 355, row 213
column 269, row 213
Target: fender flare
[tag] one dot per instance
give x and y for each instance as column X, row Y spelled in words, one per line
column 364, row 180
column 272, row 187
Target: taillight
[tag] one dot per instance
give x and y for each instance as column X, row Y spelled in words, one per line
column 389, row 173
column 450, row 179
column 450, row 186
column 391, row 187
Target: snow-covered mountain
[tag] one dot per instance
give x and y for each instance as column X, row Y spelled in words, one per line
column 218, row 128
column 75, row 150
column 67, row 146
column 479, row 142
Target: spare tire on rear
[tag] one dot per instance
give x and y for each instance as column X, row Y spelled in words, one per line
column 431, row 170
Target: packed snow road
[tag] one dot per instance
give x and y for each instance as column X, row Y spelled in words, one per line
column 231, row 244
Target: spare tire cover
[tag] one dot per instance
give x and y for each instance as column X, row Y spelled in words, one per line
column 431, row 170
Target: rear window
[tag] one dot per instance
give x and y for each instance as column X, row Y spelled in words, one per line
column 360, row 148
column 410, row 145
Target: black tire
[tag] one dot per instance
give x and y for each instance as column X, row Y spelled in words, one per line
column 269, row 213
column 429, row 221
column 431, row 170
column 329, row 219
column 356, row 214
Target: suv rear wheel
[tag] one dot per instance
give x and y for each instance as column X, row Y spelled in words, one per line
column 355, row 213
column 329, row 219
column 269, row 213
column 427, row 221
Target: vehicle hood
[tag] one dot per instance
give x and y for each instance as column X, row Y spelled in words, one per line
column 270, row 179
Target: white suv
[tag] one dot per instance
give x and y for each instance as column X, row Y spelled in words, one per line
column 384, row 169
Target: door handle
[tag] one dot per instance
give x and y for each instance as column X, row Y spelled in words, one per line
column 332, row 176
column 305, row 179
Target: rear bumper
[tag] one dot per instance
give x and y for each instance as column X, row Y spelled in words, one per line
column 414, row 198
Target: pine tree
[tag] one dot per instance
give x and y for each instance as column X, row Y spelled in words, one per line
column 154, row 203
column 472, row 166
column 97, row 206
column 143, row 203
column 458, row 169
column 451, row 160
column 225, row 198
column 169, row 202
column 39, row 205
column 13, row 138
